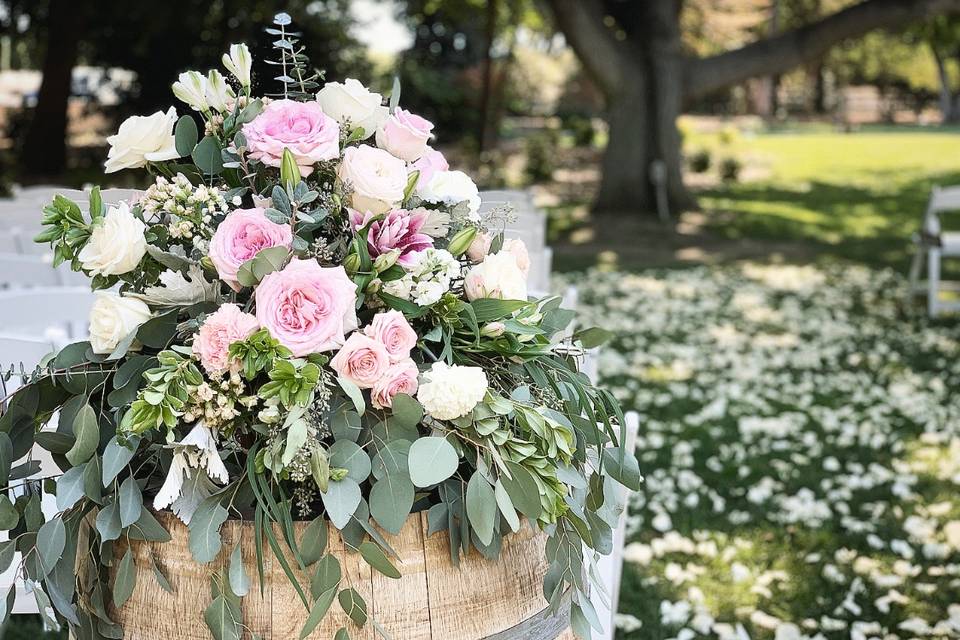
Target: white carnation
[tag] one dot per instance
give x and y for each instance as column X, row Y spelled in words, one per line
column 448, row 392
column 142, row 139
column 113, row 318
column 452, row 188
column 116, row 245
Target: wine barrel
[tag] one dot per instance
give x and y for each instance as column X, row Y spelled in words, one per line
column 432, row 600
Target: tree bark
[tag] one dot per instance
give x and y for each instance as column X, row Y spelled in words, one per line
column 949, row 104
column 486, row 95
column 45, row 146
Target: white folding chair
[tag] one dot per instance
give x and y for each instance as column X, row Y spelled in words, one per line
column 934, row 244
column 56, row 314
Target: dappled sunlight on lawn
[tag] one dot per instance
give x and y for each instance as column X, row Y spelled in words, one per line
column 800, row 438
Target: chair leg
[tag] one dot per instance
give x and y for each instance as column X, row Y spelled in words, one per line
column 933, row 282
column 914, row 279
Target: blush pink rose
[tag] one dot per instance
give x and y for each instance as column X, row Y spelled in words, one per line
column 362, row 360
column 303, row 127
column 240, row 236
column 431, row 162
column 405, row 135
column 400, row 377
column 400, row 230
column 480, row 247
column 392, row 330
column 308, row 308
column 226, row 325
column 377, row 180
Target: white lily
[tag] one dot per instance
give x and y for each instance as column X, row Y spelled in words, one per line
column 191, row 87
column 196, row 462
column 219, row 92
column 238, row 62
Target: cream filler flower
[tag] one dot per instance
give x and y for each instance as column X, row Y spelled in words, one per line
column 195, row 453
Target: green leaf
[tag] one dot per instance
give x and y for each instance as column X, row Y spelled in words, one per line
column 313, row 543
column 147, row 528
column 412, row 178
column 87, row 432
column 487, row 309
column 345, row 454
column 327, row 575
column 289, row 171
column 523, row 491
column 342, row 634
column 9, row 517
column 91, row 480
column 432, row 460
column 506, row 506
column 626, row 472
column 319, row 609
column 51, row 539
column 159, row 577
column 54, row 442
column 126, row 580
column 96, row 203
column 354, row 606
column 593, row 337
column 204, row 529
column 6, row 454
column 391, row 500
column 340, row 500
column 393, row 457
column 7, row 550
column 220, row 620
column 481, row 507
column 376, row 558
column 353, row 392
column 108, row 522
column 239, row 580
column 185, row 135
column 116, row 457
column 406, row 411
column 70, row 487
column 206, row 155
column 131, row 502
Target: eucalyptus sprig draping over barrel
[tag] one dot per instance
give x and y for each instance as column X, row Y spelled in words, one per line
column 305, row 318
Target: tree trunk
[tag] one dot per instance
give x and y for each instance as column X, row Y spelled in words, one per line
column 45, row 146
column 949, row 105
column 486, row 96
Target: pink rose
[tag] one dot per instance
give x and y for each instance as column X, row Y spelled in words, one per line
column 400, row 377
column 308, row 308
column 226, row 325
column 480, row 247
column 303, row 127
column 399, row 230
column 392, row 330
column 362, row 360
column 377, row 180
column 240, row 236
column 405, row 135
column 430, row 163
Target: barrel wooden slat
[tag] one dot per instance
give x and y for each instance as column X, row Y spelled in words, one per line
column 433, row 600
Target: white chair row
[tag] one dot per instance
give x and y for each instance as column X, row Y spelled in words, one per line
column 934, row 244
column 530, row 226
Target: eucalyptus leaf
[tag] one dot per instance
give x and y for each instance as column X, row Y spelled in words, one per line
column 391, row 500
column 354, row 606
column 523, row 490
column 481, row 507
column 108, row 522
column 432, row 460
column 626, row 472
column 239, row 580
column 220, row 619
column 131, row 502
column 116, row 456
column 327, row 575
column 505, row 504
column 313, row 543
column 345, row 454
column 185, row 135
column 9, row 517
column 406, row 410
column 376, row 558
column 87, row 434
column 319, row 609
column 206, row 155
column 126, row 579
column 205, row 541
column 340, row 500
column 70, row 487
column 51, row 539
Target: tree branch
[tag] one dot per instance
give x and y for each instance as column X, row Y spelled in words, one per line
column 581, row 22
column 792, row 48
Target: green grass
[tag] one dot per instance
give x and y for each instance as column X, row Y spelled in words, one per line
column 850, row 195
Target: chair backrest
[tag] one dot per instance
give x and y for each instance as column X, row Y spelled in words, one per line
column 942, row 199
column 47, row 313
column 18, row 271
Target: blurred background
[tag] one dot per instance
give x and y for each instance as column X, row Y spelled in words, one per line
column 735, row 186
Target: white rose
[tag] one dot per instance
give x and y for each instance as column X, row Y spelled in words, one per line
column 113, row 318
column 142, row 139
column 191, row 87
column 238, row 62
column 518, row 249
column 351, row 102
column 498, row 276
column 451, row 188
column 376, row 178
column 116, row 245
column 448, row 392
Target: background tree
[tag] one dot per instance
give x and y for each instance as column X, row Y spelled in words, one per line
column 633, row 50
column 942, row 35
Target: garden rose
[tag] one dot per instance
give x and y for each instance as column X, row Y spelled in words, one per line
column 240, row 236
column 376, row 178
column 362, row 360
column 142, row 139
column 451, row 391
column 116, row 245
column 480, row 247
column 452, row 188
column 303, row 127
column 351, row 103
column 498, row 276
column 392, row 330
column 431, row 162
column 399, row 230
column 400, row 377
column 113, row 318
column 308, row 308
column 226, row 325
column 405, row 135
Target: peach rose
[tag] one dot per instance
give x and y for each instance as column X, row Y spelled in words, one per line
column 226, row 325
column 362, row 360
column 405, row 135
column 392, row 330
column 240, row 236
column 400, row 377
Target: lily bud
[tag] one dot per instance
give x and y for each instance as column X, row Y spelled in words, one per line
column 386, row 260
column 207, row 264
column 493, row 329
column 462, row 241
column 374, row 286
column 289, row 171
column 338, row 474
column 352, row 263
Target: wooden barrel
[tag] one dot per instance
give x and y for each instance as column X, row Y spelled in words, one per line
column 433, row 599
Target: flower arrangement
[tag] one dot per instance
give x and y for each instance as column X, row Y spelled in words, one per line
column 304, row 317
